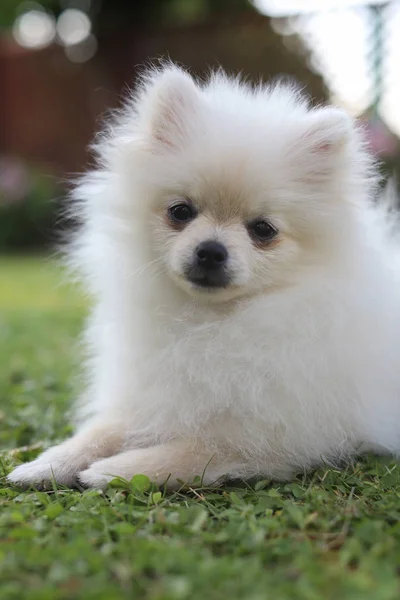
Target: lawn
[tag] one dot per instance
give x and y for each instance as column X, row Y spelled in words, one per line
column 331, row 535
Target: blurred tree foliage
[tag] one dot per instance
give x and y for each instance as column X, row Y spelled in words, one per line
column 108, row 15
column 28, row 209
column 10, row 9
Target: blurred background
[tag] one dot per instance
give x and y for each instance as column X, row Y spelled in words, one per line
column 64, row 63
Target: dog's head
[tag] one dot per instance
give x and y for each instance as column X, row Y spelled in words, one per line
column 241, row 189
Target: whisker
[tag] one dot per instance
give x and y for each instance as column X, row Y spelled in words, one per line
column 144, row 268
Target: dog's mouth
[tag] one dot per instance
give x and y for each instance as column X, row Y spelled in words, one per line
column 208, row 280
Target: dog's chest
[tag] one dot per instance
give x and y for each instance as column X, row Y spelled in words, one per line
column 241, row 366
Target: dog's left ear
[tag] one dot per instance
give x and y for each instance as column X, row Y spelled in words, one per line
column 170, row 102
column 328, row 131
column 323, row 141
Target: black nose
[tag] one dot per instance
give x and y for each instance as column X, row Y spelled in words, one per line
column 211, row 255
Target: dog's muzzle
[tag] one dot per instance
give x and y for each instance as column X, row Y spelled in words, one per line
column 209, row 266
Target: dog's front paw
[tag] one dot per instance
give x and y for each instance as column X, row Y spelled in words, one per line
column 62, row 463
column 41, row 473
column 94, row 477
column 59, row 464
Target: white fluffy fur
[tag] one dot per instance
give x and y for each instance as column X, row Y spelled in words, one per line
column 298, row 360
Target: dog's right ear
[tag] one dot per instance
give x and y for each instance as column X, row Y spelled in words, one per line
column 168, row 107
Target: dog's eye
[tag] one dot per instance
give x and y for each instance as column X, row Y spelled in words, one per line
column 181, row 213
column 262, row 230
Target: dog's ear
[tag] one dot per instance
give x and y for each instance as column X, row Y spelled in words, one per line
column 169, row 105
column 322, row 144
column 327, row 131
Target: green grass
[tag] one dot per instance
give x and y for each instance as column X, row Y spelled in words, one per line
column 332, row 535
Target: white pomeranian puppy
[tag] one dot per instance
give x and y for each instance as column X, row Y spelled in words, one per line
column 247, row 292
